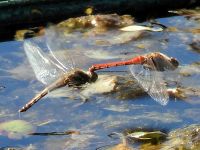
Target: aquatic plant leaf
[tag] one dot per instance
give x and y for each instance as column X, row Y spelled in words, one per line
column 140, row 28
column 16, row 128
column 147, row 135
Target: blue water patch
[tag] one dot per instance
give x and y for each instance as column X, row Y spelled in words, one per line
column 103, row 113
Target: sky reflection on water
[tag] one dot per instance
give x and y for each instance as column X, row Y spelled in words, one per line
column 102, row 114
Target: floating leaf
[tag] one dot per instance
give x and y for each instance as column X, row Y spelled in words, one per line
column 15, row 129
column 147, row 135
column 140, row 28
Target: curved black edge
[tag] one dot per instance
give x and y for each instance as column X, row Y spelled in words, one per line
column 16, row 12
column 19, row 14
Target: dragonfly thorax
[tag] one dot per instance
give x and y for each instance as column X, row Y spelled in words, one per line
column 160, row 62
column 79, row 77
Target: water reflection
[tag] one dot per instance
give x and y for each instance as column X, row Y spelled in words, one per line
column 103, row 113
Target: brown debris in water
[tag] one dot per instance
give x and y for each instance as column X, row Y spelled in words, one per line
column 20, row 35
column 196, row 45
column 184, row 138
column 99, row 21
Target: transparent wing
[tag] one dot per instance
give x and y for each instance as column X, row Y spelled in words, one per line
column 44, row 68
column 152, row 82
column 68, row 48
column 60, row 47
column 75, row 49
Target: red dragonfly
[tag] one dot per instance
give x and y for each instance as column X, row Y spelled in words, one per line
column 147, row 69
column 58, row 70
column 52, row 69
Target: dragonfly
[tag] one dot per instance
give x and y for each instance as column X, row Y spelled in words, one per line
column 56, row 70
column 147, row 70
column 51, row 71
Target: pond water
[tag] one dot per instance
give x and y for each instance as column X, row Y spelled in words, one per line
column 102, row 114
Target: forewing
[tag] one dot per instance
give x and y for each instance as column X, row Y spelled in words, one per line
column 152, row 83
column 45, row 70
column 158, row 90
column 60, row 48
column 75, row 49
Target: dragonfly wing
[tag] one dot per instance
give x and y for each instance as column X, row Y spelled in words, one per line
column 151, row 82
column 142, row 76
column 45, row 70
column 158, row 90
column 60, row 48
column 75, row 49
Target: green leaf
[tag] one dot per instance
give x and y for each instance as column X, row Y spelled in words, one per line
column 147, row 135
column 16, row 128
